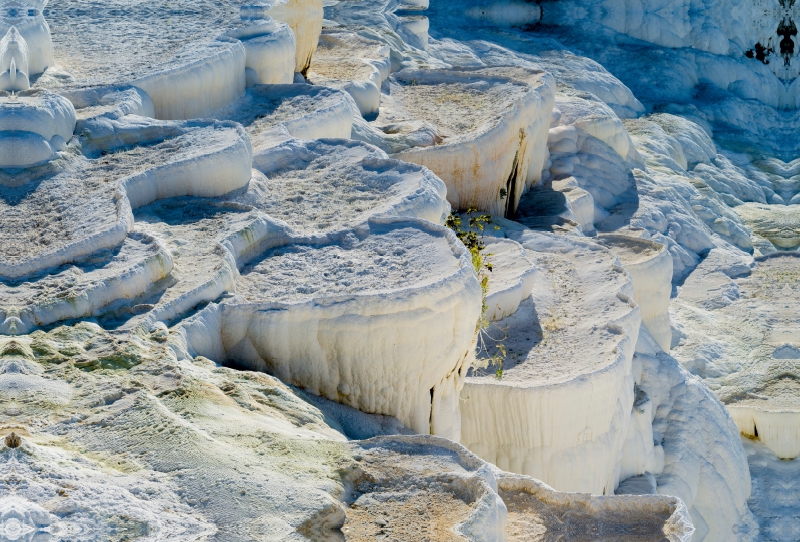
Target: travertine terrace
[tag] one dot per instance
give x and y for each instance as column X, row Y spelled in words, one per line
column 375, row 270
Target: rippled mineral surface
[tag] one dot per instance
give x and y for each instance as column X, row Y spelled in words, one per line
column 399, row 270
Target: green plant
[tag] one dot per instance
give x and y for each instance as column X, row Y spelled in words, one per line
column 472, row 238
column 497, row 359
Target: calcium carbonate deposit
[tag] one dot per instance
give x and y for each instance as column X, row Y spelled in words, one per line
column 399, row 270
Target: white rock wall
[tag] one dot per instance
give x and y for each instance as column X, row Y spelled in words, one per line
column 698, row 444
column 199, row 84
column 565, row 430
column 419, row 343
column 477, row 166
column 650, row 266
column 270, row 49
column 778, row 430
column 35, row 126
column 512, row 277
column 212, row 170
column 412, row 367
column 305, row 19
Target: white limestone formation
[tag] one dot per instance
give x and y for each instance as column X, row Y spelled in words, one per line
column 357, row 65
column 570, row 512
column 204, row 76
column 427, row 326
column 650, row 267
column 26, row 49
column 14, row 62
column 772, row 227
column 332, row 184
column 203, row 80
column 105, row 105
column 589, row 159
column 36, row 126
column 214, row 160
column 304, row 17
column 690, row 448
column 777, row 423
column 223, row 255
column 528, row 510
column 745, row 321
column 32, row 35
column 387, row 187
column 459, row 500
column 270, row 49
column 491, row 128
column 189, row 453
column 304, row 111
column 75, row 293
column 206, row 165
column 413, row 29
column 513, row 277
column 569, row 347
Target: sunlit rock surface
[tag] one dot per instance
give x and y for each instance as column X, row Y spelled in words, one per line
column 357, row 65
column 650, row 267
column 743, row 330
column 491, row 131
column 235, row 305
column 269, row 113
column 570, row 346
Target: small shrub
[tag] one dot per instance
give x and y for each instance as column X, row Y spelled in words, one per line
column 472, row 237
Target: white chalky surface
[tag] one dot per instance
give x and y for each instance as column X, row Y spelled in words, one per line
column 145, row 264
column 568, row 346
column 378, row 263
column 265, row 106
column 43, row 217
column 192, row 232
column 110, row 42
column 72, row 280
column 548, row 340
column 326, row 185
column 454, row 108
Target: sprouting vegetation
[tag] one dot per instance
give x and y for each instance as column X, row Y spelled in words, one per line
column 472, row 237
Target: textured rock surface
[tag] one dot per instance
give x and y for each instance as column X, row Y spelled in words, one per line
column 307, row 112
column 569, row 347
column 225, row 263
column 650, row 266
column 491, row 125
column 357, row 65
column 742, row 344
